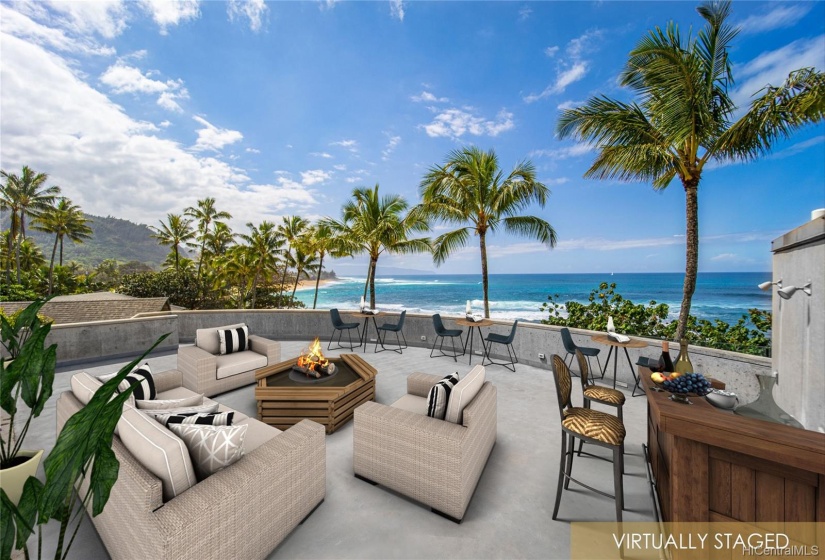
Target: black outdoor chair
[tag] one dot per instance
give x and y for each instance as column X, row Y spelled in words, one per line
column 570, row 347
column 442, row 333
column 507, row 341
column 341, row 326
column 392, row 327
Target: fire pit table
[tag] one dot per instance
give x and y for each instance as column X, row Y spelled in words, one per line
column 328, row 400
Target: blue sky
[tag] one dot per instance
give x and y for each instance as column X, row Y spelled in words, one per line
column 137, row 109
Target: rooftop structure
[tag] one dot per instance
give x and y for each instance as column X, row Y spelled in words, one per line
column 97, row 306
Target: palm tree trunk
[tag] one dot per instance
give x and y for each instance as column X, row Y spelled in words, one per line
column 281, row 291
column 373, row 266
column 367, row 281
column 318, row 279
column 295, row 287
column 51, row 263
column 17, row 257
column 61, row 250
column 255, row 288
column 691, row 253
column 482, row 241
column 177, row 262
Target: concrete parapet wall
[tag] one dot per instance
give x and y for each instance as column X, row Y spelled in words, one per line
column 737, row 370
column 84, row 342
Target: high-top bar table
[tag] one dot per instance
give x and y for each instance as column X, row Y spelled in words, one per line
column 474, row 325
column 615, row 345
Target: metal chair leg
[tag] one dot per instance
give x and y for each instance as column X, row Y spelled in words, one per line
column 561, row 474
column 570, row 452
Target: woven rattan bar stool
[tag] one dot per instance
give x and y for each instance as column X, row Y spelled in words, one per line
column 589, row 426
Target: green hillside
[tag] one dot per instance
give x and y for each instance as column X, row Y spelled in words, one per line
column 113, row 238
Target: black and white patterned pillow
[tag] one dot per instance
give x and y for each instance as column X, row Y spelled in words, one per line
column 205, row 419
column 141, row 377
column 234, row 340
column 439, row 396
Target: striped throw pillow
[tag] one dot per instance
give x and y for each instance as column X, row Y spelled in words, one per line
column 234, row 340
column 141, row 377
column 205, row 419
column 439, row 396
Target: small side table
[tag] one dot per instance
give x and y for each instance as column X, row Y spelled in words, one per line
column 366, row 316
column 470, row 335
column 615, row 345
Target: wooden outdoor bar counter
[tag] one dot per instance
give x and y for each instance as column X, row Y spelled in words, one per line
column 713, row 465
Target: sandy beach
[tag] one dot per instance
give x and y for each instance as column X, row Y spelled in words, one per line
column 310, row 284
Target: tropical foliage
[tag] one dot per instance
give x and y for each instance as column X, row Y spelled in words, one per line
column 651, row 320
column 683, row 119
column 470, row 190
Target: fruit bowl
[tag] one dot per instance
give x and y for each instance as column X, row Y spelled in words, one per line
column 681, row 387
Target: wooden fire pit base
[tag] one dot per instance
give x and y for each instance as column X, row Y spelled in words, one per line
column 283, row 403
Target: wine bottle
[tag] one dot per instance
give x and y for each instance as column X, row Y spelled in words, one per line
column 683, row 364
column 665, row 361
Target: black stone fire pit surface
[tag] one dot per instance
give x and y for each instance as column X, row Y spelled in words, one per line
column 300, row 377
column 343, row 377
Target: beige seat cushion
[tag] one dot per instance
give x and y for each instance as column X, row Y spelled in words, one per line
column 257, row 432
column 159, row 450
column 412, row 403
column 239, row 362
column 84, row 386
column 207, row 339
column 463, row 394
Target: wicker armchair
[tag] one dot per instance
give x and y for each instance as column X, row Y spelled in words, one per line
column 387, row 440
column 201, row 364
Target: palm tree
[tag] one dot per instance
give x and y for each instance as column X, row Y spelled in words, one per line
column 236, row 267
column 264, row 243
column 325, row 242
column 471, row 189
column 64, row 219
column 374, row 225
column 291, row 229
column 175, row 232
column 24, row 195
column 303, row 259
column 205, row 214
column 682, row 119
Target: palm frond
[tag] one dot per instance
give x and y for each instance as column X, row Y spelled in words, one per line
column 448, row 243
column 532, row 227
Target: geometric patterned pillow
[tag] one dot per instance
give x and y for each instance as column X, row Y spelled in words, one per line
column 439, row 396
column 211, row 448
column 141, row 377
column 194, row 400
column 234, row 340
column 201, row 418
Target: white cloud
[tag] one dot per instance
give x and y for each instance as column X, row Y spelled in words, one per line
column 782, row 15
column 428, row 97
column 251, row 10
column 314, row 176
column 349, row 144
column 321, row 155
column 168, row 13
column 556, row 181
column 252, row 151
column 165, row 124
column 725, row 257
column 573, row 67
column 524, row 13
column 340, row 167
column 110, row 163
column 392, row 143
column 128, row 79
column 454, row 123
column 773, row 67
column 798, row 147
column 564, row 152
column 168, row 100
column 106, row 18
column 397, row 9
column 211, row 137
column 25, row 27
column 569, row 104
column 352, row 179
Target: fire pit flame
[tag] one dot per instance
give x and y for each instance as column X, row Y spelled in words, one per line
column 313, row 363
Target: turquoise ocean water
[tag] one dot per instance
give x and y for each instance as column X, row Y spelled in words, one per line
column 725, row 296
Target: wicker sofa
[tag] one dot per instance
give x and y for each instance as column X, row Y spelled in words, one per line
column 206, row 371
column 388, row 441
column 242, row 511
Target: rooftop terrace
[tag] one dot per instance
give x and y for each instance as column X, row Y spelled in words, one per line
column 510, row 513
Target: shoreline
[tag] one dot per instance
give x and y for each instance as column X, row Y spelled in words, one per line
column 305, row 285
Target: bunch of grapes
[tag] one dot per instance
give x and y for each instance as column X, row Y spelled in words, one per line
column 688, row 383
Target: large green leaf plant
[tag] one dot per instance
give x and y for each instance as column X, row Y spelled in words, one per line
column 83, row 448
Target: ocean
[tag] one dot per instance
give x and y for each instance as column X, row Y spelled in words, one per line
column 726, row 296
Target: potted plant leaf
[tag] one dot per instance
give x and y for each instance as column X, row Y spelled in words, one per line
column 83, row 450
column 27, row 375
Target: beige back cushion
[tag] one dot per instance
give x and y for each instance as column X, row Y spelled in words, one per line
column 207, row 339
column 84, row 386
column 159, row 450
column 463, row 394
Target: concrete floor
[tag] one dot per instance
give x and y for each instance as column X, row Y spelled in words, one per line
column 510, row 513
